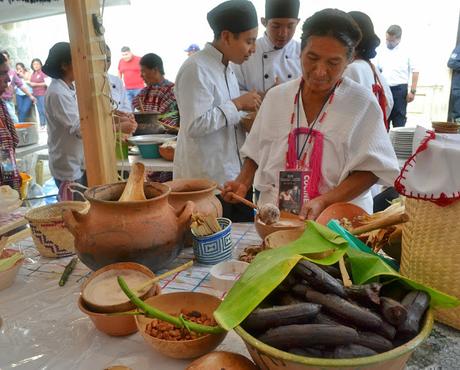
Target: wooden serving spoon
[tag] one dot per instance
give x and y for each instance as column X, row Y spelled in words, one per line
column 381, row 223
column 240, row 198
column 134, row 189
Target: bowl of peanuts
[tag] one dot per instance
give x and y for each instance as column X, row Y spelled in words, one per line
column 176, row 342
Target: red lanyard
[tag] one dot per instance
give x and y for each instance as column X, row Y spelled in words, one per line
column 319, row 118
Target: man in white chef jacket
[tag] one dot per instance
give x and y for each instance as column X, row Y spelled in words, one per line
column 277, row 56
column 210, row 102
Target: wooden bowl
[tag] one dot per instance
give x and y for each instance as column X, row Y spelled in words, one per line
column 116, row 326
column 114, row 270
column 338, row 211
column 173, row 303
column 167, row 152
column 264, row 230
column 270, row 358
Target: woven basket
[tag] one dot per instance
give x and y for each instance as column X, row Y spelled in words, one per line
column 49, row 232
column 431, row 251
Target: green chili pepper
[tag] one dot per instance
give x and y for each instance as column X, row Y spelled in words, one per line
column 154, row 312
column 68, row 270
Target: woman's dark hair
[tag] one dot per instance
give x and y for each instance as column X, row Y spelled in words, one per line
column 334, row 23
column 20, row 64
column 152, row 61
column 369, row 42
column 35, row 60
column 2, row 59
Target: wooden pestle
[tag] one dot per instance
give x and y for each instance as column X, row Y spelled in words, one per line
column 134, row 189
column 381, row 223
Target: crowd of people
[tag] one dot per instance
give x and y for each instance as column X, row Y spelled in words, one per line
column 324, row 105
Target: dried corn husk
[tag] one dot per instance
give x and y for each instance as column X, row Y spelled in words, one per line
column 204, row 225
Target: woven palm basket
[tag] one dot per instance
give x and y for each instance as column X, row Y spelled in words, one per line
column 49, row 233
column 431, row 251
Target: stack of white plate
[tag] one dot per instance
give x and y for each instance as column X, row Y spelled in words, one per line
column 401, row 138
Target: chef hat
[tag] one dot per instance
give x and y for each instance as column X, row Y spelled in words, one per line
column 58, row 55
column 281, row 9
column 234, row 16
column 370, row 41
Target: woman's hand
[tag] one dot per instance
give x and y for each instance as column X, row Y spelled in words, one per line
column 233, row 187
column 313, row 208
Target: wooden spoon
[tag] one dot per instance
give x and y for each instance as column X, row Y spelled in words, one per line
column 134, row 189
column 240, row 198
column 156, row 279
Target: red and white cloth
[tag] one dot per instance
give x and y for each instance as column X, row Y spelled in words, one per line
column 431, row 173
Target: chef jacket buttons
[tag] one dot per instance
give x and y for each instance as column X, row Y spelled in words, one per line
column 289, row 76
column 265, row 56
column 266, row 75
column 286, row 57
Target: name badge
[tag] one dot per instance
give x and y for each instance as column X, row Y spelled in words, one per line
column 293, row 192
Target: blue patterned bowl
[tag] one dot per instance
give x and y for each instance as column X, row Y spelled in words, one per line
column 214, row 248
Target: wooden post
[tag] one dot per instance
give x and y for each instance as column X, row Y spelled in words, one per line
column 88, row 61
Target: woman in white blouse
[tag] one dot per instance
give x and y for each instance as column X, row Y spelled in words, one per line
column 321, row 123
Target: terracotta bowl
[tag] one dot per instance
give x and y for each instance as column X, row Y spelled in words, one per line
column 172, row 303
column 112, row 270
column 167, row 152
column 8, row 276
column 339, row 211
column 264, row 230
column 116, row 326
column 281, row 238
column 270, row 358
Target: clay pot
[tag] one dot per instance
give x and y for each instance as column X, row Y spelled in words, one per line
column 149, row 232
column 200, row 192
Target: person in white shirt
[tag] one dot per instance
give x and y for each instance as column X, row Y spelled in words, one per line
column 336, row 130
column 65, row 146
column 397, row 68
column 362, row 71
column 276, row 59
column 210, row 102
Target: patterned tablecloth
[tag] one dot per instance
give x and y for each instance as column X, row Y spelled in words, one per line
column 43, row 328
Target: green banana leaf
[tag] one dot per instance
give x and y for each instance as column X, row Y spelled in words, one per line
column 271, row 267
column 6, row 263
column 367, row 267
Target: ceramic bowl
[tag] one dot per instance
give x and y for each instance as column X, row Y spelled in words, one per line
column 167, row 152
column 116, row 326
column 288, row 221
column 173, row 303
column 281, row 238
column 113, row 270
column 270, row 358
column 224, row 274
column 215, row 248
column 7, row 277
column 338, row 211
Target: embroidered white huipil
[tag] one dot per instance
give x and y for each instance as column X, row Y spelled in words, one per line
column 354, row 140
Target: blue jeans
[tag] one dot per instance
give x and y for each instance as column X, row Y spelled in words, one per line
column 132, row 94
column 41, row 109
column 24, row 103
column 11, row 110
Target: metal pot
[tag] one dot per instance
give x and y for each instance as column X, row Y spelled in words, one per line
column 147, row 123
column 27, row 133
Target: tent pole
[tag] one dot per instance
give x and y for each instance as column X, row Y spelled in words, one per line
column 92, row 87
